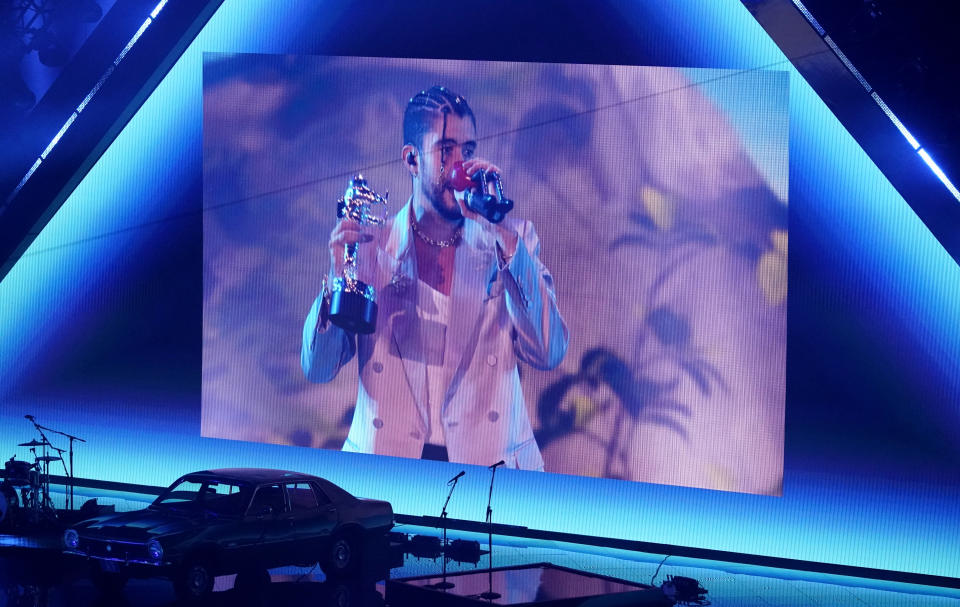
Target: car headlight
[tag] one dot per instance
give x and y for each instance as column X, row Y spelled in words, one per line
column 71, row 539
column 155, row 551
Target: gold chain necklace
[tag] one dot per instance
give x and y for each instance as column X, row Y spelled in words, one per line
column 437, row 243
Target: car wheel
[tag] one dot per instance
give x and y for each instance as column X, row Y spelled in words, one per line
column 340, row 596
column 195, row 579
column 342, row 554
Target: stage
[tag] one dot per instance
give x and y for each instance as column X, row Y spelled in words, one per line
column 405, row 567
column 709, row 357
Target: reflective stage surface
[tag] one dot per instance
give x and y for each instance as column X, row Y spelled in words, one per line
column 540, row 584
column 31, row 574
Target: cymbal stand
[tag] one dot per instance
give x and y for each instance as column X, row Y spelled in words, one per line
column 41, row 505
column 31, row 498
column 41, row 497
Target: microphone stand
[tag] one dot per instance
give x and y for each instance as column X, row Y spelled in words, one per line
column 444, row 584
column 69, row 471
column 490, row 594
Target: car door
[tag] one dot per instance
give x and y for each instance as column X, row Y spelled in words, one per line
column 224, row 505
column 314, row 517
column 266, row 525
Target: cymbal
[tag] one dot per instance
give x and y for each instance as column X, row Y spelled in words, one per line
column 48, row 458
column 33, row 443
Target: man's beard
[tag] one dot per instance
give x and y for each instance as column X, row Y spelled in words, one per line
column 434, row 193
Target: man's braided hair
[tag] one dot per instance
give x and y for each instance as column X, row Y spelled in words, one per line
column 426, row 106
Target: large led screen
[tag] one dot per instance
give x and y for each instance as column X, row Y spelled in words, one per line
column 627, row 319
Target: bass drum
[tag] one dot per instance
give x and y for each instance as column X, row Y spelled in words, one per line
column 9, row 505
column 18, row 472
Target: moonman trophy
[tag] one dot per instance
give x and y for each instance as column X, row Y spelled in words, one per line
column 353, row 303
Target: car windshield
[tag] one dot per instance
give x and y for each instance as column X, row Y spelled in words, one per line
column 218, row 497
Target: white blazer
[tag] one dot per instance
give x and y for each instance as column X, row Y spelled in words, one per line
column 499, row 316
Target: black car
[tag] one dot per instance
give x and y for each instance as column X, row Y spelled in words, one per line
column 239, row 520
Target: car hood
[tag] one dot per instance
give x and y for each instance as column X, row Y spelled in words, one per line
column 137, row 525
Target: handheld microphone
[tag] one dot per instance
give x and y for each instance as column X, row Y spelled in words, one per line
column 500, row 463
column 494, row 208
column 30, row 417
column 454, row 479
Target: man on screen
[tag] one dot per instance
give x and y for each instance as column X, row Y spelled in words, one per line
column 461, row 301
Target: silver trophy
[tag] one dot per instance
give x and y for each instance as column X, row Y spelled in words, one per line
column 353, row 303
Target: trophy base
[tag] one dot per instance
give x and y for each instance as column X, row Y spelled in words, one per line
column 353, row 312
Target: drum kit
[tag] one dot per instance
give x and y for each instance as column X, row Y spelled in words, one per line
column 25, row 490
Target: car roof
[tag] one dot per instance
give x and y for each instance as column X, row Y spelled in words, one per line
column 254, row 475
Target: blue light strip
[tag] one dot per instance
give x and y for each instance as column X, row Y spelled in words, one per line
column 853, row 70
column 30, row 172
column 86, row 100
column 133, row 41
column 816, row 25
column 896, row 121
column 156, row 10
column 96, row 88
column 876, row 98
column 56, row 138
column 939, row 173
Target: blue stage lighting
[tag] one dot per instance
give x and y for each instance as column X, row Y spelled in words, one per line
column 939, row 173
column 56, row 138
column 883, row 106
column 846, row 207
column 86, row 100
column 849, row 64
column 810, row 18
column 133, row 41
column 28, row 175
column 896, row 121
column 156, row 10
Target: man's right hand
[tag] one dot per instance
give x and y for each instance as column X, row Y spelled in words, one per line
column 348, row 231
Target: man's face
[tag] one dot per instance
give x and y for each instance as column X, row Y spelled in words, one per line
column 440, row 149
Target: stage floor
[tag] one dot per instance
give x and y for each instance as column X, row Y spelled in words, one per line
column 33, row 575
